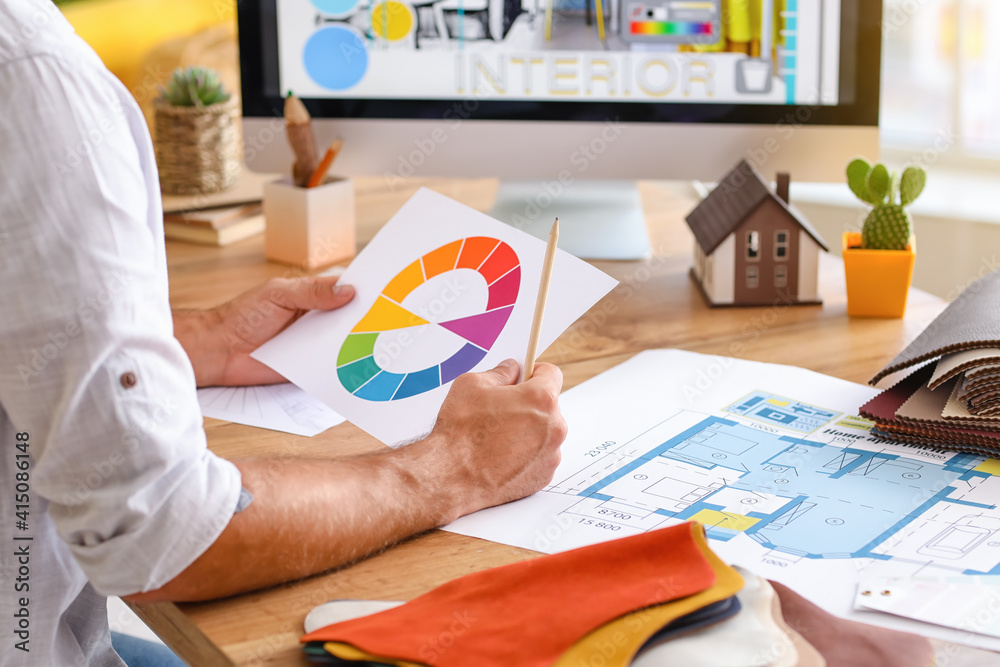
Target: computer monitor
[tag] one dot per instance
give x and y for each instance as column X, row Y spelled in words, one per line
column 552, row 97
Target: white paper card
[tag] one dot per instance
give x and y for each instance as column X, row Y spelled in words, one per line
column 442, row 289
column 970, row 603
column 278, row 407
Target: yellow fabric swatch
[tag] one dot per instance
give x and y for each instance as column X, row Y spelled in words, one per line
column 348, row 652
column 615, row 644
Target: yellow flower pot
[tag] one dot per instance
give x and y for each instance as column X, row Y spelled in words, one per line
column 878, row 281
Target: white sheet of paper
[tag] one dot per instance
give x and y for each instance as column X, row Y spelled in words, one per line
column 278, row 407
column 968, row 603
column 430, row 304
column 775, row 463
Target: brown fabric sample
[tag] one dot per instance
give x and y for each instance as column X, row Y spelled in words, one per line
column 971, row 321
column 844, row 643
column 808, row 655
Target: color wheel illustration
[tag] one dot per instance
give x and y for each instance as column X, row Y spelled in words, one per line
column 358, row 362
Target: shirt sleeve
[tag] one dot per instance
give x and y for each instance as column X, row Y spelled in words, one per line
column 89, row 365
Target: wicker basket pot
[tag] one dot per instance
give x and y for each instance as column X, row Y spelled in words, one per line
column 197, row 148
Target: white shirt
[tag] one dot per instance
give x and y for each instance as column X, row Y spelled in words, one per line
column 123, row 493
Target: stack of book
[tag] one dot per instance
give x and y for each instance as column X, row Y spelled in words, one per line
column 218, row 225
column 952, row 398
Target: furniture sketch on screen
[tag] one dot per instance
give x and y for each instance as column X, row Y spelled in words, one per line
column 427, row 12
column 613, row 19
column 599, row 8
column 752, row 248
column 461, row 11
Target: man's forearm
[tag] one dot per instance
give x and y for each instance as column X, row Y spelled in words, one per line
column 309, row 516
column 494, row 441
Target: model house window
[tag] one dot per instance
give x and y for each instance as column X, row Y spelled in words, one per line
column 781, row 275
column 753, row 277
column 753, row 246
column 781, row 245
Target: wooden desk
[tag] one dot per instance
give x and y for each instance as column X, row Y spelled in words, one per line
column 656, row 306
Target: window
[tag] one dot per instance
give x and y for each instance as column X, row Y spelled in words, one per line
column 940, row 88
column 753, row 277
column 753, row 246
column 781, row 245
column 781, row 275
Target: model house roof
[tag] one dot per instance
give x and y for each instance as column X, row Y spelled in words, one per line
column 728, row 205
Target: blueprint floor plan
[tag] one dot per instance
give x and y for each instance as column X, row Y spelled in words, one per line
column 808, row 496
column 772, row 460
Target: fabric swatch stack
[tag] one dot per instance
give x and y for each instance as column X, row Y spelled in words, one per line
column 952, row 398
column 655, row 599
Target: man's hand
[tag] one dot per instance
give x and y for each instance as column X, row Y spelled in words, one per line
column 494, row 441
column 219, row 341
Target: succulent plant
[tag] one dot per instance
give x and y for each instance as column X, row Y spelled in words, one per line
column 194, row 87
column 888, row 225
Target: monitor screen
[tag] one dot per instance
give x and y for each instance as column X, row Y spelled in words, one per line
column 726, row 61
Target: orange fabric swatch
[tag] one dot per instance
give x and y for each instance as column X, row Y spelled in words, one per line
column 615, row 643
column 530, row 613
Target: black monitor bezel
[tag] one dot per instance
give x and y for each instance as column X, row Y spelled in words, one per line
column 859, row 101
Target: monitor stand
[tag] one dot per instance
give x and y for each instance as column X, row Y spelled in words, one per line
column 597, row 219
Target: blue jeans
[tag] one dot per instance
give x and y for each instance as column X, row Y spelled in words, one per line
column 142, row 653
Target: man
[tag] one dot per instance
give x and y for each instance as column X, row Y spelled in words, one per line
column 107, row 486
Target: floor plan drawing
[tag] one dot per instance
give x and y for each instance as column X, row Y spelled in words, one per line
column 774, row 463
column 795, row 496
column 780, row 411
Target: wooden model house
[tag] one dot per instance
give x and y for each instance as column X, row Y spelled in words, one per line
column 751, row 247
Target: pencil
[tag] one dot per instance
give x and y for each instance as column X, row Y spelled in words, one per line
column 543, row 293
column 331, row 154
column 298, row 128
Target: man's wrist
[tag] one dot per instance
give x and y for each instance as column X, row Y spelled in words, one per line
column 200, row 334
column 440, row 498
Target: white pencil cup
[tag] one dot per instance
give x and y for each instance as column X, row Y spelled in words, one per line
column 309, row 227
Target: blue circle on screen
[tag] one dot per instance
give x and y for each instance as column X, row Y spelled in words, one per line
column 335, row 57
column 335, row 7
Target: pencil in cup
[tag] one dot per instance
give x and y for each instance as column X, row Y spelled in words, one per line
column 324, row 166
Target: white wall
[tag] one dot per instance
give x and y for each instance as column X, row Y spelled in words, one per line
column 956, row 220
column 808, row 267
column 951, row 252
column 724, row 271
column 699, row 262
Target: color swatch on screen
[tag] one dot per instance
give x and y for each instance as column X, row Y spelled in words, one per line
column 670, row 28
column 688, row 22
column 497, row 264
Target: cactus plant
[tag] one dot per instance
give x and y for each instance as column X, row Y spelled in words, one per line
column 194, row 87
column 888, row 225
